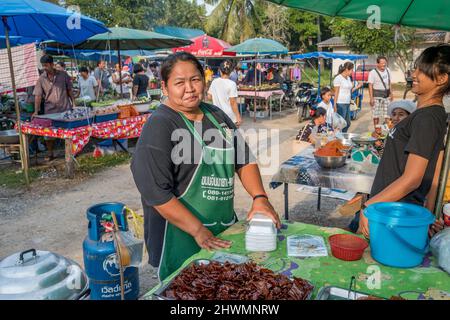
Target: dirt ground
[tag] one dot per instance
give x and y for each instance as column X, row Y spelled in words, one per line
column 52, row 216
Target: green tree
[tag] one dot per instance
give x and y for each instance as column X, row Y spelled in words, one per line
column 276, row 23
column 398, row 42
column 183, row 13
column 233, row 20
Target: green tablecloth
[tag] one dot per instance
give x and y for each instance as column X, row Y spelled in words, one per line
column 424, row 282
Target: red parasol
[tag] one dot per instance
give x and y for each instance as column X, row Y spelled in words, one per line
column 207, row 47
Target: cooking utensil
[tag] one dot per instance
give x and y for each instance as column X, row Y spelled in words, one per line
column 41, row 275
column 346, row 138
column 364, row 141
column 331, row 162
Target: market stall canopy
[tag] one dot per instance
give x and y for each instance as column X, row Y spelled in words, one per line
column 274, row 61
column 207, row 47
column 183, row 33
column 259, row 46
column 95, row 55
column 131, row 39
column 433, row 14
column 36, row 20
column 329, row 55
column 15, row 41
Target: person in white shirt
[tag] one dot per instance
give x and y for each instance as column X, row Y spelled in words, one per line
column 126, row 80
column 343, row 88
column 87, row 84
column 380, row 91
column 326, row 94
column 223, row 92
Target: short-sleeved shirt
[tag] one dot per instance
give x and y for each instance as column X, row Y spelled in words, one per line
column 87, row 87
column 159, row 178
column 55, row 93
column 141, row 81
column 305, row 133
column 222, row 90
column 103, row 76
column 345, row 89
column 422, row 133
column 375, row 80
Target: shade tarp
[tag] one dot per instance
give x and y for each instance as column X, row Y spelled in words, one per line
column 206, row 46
column 130, row 39
column 274, row 61
column 329, row 55
column 183, row 33
column 259, row 46
column 431, row 14
column 36, row 20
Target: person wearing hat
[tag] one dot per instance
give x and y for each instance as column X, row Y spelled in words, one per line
column 317, row 125
column 400, row 109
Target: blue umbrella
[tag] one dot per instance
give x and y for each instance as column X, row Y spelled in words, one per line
column 38, row 21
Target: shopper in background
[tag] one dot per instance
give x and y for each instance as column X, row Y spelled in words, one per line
column 223, row 92
column 140, row 82
column 101, row 74
column 87, row 84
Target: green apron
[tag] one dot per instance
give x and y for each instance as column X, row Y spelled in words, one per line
column 209, row 196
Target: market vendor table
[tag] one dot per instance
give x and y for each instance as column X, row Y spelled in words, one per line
column 77, row 138
column 426, row 281
column 264, row 95
column 303, row 169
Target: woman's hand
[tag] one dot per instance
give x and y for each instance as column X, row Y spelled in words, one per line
column 363, row 225
column 206, row 240
column 238, row 120
column 436, row 227
column 263, row 206
column 372, row 102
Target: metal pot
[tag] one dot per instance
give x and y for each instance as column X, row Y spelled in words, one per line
column 346, row 138
column 41, row 275
column 331, row 162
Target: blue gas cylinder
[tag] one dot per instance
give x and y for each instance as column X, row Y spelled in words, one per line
column 100, row 259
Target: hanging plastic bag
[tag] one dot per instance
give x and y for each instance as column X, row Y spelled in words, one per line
column 339, row 122
column 134, row 246
column 440, row 247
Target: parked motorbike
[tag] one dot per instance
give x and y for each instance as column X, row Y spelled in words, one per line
column 306, row 98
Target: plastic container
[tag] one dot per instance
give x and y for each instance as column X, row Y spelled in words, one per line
column 347, row 247
column 261, row 234
column 398, row 233
column 106, row 117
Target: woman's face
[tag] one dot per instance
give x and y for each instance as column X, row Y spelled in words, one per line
column 423, row 84
column 327, row 97
column 184, row 87
column 398, row 115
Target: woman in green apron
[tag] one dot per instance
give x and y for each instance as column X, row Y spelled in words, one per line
column 184, row 167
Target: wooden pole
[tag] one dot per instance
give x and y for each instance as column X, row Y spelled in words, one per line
column 444, row 176
column 254, row 107
column 120, row 71
column 23, row 152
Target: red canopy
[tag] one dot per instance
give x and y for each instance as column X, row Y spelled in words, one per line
column 207, row 47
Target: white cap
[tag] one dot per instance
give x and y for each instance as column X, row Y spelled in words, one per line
column 406, row 105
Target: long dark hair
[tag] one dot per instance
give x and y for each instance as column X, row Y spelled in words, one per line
column 346, row 66
column 171, row 61
column 435, row 61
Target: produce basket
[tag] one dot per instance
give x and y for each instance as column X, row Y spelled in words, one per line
column 347, row 247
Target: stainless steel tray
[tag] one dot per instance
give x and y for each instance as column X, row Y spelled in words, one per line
column 158, row 294
column 337, row 293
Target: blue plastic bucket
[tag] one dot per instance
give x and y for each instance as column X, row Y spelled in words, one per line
column 398, row 233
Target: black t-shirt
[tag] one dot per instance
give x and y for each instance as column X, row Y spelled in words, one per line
column 141, row 80
column 422, row 133
column 159, row 176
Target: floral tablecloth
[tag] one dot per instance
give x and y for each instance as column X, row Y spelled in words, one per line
column 114, row 129
column 426, row 281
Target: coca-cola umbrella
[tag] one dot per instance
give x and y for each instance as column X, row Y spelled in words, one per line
column 207, row 47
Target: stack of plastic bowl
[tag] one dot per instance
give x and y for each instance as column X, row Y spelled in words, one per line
column 261, row 235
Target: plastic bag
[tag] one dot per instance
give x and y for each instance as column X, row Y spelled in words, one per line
column 440, row 247
column 135, row 247
column 339, row 122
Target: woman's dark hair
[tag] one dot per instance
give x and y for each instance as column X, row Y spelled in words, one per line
column 138, row 68
column 170, row 62
column 346, row 66
column 83, row 69
column 435, row 61
column 62, row 64
column 226, row 67
column 324, row 91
